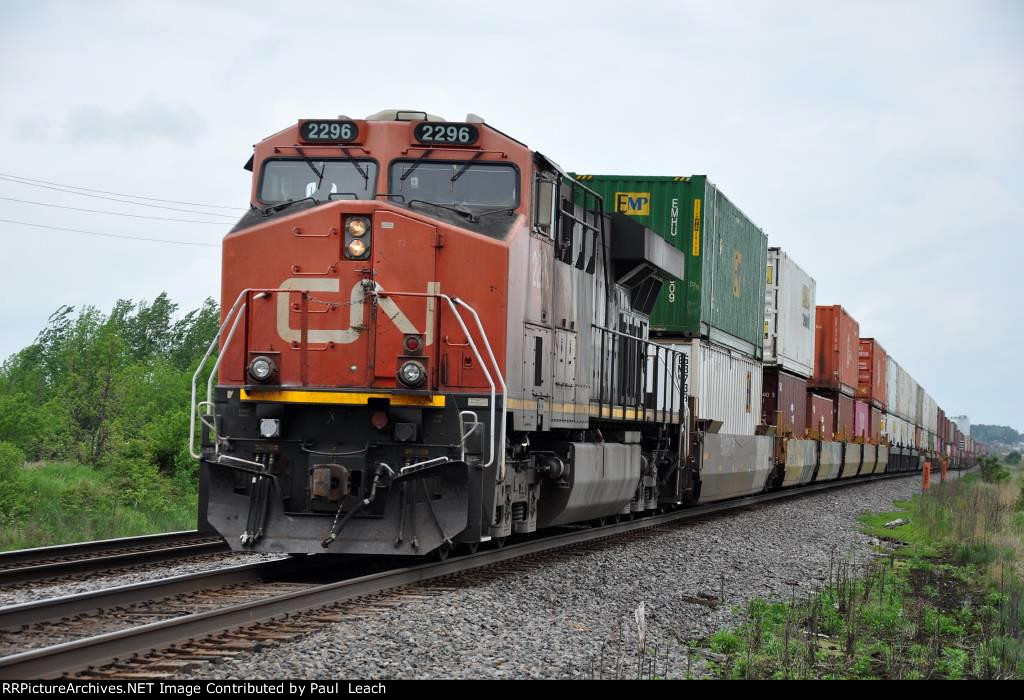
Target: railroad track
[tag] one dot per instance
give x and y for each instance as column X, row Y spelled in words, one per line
column 237, row 610
column 24, row 565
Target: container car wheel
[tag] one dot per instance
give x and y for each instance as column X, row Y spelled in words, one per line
column 499, row 542
column 469, row 547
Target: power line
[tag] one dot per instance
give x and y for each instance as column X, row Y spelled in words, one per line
column 113, row 213
column 120, row 194
column 112, row 199
column 111, row 235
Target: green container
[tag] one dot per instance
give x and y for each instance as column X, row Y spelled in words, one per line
column 721, row 292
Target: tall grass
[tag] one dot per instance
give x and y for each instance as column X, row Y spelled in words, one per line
column 60, row 502
column 949, row 603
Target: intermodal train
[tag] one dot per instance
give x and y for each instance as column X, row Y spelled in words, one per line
column 434, row 337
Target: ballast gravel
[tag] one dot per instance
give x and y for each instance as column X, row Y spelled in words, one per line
column 576, row 616
column 28, row 592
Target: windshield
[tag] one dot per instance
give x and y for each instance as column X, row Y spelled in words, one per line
column 463, row 184
column 290, row 179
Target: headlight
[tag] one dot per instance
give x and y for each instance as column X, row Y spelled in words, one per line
column 356, row 248
column 357, row 226
column 262, row 368
column 412, row 373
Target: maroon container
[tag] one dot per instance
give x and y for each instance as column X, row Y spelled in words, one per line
column 843, row 416
column 784, row 402
column 820, row 416
column 861, row 420
column 871, row 364
column 836, row 349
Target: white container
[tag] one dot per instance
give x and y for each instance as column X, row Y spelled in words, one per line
column 930, row 419
column 726, row 384
column 789, row 300
column 897, row 430
column 901, row 391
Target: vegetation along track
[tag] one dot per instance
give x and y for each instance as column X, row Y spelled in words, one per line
column 213, row 615
column 24, row 565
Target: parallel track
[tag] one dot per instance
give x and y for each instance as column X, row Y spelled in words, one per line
column 215, row 633
column 24, row 565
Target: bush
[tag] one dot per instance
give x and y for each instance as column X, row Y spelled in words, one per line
column 11, row 459
column 1013, row 458
column 992, row 471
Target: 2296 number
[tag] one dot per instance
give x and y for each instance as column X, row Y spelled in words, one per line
column 439, row 132
column 332, row 131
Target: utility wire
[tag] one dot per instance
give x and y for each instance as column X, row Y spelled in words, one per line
column 114, row 213
column 120, row 194
column 112, row 199
column 111, row 235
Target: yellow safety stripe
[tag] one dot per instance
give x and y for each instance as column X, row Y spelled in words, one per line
column 342, row 397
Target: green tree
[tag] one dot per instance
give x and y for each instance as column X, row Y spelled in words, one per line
column 1013, row 458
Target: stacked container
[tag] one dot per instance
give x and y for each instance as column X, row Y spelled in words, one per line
column 861, row 420
column 784, row 402
column 788, row 344
column 871, row 366
column 836, row 349
column 722, row 299
column 820, row 416
column 717, row 316
column 725, row 384
column 789, row 315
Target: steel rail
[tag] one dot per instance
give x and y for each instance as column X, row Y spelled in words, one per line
column 110, row 647
column 24, row 565
column 49, row 609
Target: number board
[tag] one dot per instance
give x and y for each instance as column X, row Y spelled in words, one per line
column 328, row 131
column 440, row 133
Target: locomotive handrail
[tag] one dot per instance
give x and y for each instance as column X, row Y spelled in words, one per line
column 501, row 380
column 235, row 312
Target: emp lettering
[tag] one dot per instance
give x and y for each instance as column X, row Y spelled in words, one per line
column 633, row 203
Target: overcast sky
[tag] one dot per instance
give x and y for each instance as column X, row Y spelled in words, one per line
column 881, row 144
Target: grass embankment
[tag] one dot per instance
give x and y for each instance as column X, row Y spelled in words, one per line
column 946, row 602
column 55, row 503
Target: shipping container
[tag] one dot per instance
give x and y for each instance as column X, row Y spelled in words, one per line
column 897, row 431
column 722, row 298
column 726, row 385
column 784, row 402
column 788, row 315
column 877, row 421
column 843, row 416
column 820, row 416
column 929, row 413
column 861, row 420
column 901, row 390
column 836, row 346
column 871, row 364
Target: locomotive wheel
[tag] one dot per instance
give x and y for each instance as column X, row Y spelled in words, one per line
column 499, row 542
column 469, row 547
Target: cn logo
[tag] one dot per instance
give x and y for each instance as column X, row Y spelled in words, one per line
column 357, row 310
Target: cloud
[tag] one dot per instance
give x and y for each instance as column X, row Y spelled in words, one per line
column 149, row 122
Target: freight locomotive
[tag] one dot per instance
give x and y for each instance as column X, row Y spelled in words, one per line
column 434, row 337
